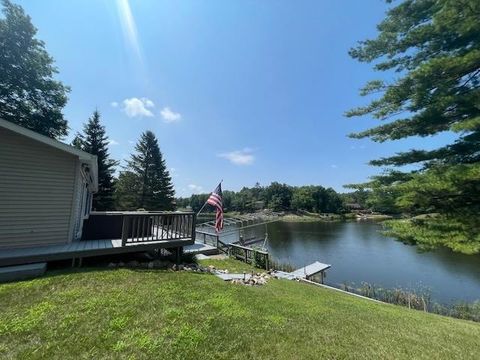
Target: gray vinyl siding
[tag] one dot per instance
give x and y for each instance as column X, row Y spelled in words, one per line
column 37, row 185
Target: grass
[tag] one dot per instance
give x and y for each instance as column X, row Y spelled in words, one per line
column 134, row 314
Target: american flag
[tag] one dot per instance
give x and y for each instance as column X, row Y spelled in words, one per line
column 215, row 200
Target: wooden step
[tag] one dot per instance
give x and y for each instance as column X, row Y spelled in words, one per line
column 22, row 272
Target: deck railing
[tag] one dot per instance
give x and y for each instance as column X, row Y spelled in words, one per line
column 157, row 226
column 249, row 255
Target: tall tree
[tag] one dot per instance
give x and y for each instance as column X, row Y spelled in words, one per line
column 278, row 196
column 95, row 141
column 433, row 48
column 146, row 182
column 29, row 94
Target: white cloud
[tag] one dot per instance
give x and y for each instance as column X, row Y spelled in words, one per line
column 113, row 142
column 114, row 104
column 131, row 142
column 333, row 166
column 239, row 157
column 170, row 116
column 134, row 107
column 173, row 172
column 195, row 189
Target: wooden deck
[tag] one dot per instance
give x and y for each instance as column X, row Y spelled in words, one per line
column 81, row 249
column 140, row 231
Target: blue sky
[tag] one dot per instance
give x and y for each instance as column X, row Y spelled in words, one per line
column 243, row 91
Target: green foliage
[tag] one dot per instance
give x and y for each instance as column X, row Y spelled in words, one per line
column 29, row 94
column 277, row 197
column 95, row 141
column 127, row 190
column 146, row 182
column 433, row 47
column 316, row 199
column 430, row 231
column 359, row 196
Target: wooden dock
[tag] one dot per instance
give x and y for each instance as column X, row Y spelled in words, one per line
column 308, row 271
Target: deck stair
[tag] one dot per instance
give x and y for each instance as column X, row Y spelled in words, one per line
column 22, row 272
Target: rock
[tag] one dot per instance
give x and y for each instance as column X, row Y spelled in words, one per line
column 180, row 267
column 133, row 264
column 121, row 264
column 112, row 265
column 226, row 271
column 174, row 267
column 261, row 281
column 150, row 265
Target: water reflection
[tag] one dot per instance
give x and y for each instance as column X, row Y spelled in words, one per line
column 359, row 252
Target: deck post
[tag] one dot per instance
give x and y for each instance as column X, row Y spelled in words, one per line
column 125, row 229
column 194, row 227
column 178, row 254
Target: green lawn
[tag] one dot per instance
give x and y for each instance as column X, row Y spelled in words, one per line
column 137, row 314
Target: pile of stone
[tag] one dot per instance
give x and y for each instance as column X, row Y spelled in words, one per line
column 257, row 279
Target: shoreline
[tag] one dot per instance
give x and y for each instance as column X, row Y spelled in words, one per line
column 332, row 217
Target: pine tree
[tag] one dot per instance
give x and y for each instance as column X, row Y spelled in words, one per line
column 95, row 141
column 146, row 182
column 29, row 94
column 432, row 47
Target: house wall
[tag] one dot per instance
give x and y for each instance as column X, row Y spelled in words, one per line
column 37, row 190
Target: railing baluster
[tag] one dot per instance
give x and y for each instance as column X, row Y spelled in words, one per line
column 137, row 233
column 169, row 225
column 193, row 225
column 160, row 226
column 125, row 229
column 180, row 225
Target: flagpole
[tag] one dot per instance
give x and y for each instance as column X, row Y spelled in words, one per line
column 207, row 199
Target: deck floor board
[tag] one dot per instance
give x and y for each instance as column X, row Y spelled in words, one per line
column 83, row 249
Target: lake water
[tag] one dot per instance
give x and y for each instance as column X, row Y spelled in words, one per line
column 358, row 253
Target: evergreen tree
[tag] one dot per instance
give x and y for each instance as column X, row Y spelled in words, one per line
column 95, row 141
column 29, row 94
column 146, row 182
column 433, row 47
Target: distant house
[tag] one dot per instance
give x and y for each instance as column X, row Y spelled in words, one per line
column 354, row 207
column 46, row 189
